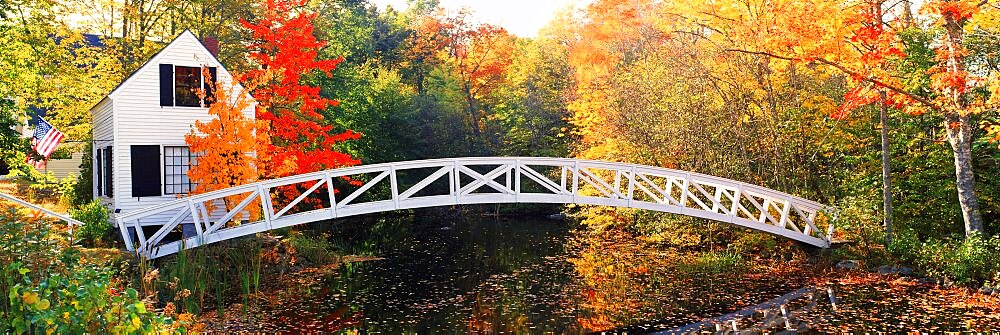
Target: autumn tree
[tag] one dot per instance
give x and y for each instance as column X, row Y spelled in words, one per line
column 375, row 98
column 529, row 108
column 285, row 45
column 828, row 33
column 422, row 47
column 227, row 144
column 132, row 29
column 610, row 35
column 480, row 55
column 49, row 68
column 218, row 19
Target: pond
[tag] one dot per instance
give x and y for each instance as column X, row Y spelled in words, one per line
column 459, row 275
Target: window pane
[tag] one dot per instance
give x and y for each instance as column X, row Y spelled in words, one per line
column 176, row 164
column 187, row 80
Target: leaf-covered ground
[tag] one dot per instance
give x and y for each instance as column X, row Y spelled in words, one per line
column 871, row 302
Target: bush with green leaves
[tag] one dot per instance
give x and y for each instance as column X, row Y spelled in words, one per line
column 48, row 287
column 314, row 249
column 97, row 230
column 973, row 261
column 85, row 300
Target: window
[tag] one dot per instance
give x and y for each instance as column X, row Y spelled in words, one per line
column 109, row 185
column 176, row 163
column 187, row 82
column 99, row 171
column 179, row 85
column 102, row 172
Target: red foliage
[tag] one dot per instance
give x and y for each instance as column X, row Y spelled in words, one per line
column 286, row 51
column 960, row 10
column 878, row 45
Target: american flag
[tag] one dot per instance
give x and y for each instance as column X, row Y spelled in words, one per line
column 45, row 141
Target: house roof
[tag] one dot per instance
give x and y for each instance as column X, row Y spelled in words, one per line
column 154, row 56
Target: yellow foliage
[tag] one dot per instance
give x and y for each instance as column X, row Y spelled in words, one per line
column 29, row 298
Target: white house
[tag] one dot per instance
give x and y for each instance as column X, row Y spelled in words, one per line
column 140, row 156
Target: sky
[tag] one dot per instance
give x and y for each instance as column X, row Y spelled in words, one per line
column 520, row 17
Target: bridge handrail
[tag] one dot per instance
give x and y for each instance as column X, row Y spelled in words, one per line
column 575, row 181
column 352, row 170
column 70, row 221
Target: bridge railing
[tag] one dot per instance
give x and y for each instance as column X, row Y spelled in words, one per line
column 253, row 208
column 71, row 222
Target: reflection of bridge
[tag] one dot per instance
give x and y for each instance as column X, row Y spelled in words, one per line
column 441, row 182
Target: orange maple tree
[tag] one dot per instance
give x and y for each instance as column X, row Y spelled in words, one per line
column 287, row 52
column 612, row 32
column 479, row 55
column 226, row 144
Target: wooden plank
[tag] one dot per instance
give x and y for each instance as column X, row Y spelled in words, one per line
column 236, row 210
column 481, row 180
column 363, row 189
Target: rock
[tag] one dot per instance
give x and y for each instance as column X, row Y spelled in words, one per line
column 848, row 265
column 893, row 269
column 989, row 290
column 557, row 216
column 927, row 281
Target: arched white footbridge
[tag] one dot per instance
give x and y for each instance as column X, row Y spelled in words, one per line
column 442, row 182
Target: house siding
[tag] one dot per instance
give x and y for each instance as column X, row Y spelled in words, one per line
column 103, row 133
column 138, row 119
column 102, row 114
column 62, row 168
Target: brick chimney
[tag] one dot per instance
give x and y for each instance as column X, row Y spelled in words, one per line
column 212, row 44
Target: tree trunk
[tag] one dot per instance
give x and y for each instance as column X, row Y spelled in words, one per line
column 886, row 169
column 959, row 129
column 471, row 104
column 958, row 125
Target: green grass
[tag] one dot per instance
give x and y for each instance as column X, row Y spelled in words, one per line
column 714, row 262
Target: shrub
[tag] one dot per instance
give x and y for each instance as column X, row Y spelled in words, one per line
column 97, row 229
column 41, row 188
column 968, row 261
column 85, row 300
column 315, row 249
column 48, row 289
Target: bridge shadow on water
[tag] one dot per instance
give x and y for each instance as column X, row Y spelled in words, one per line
column 527, row 275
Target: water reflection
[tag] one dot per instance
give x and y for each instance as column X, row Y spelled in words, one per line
column 536, row 276
column 475, row 275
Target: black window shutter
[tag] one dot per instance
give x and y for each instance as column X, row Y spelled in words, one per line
column 146, row 171
column 99, row 171
column 210, row 86
column 109, row 185
column 166, row 84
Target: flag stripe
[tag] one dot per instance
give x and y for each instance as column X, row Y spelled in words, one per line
column 45, row 141
column 49, row 143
